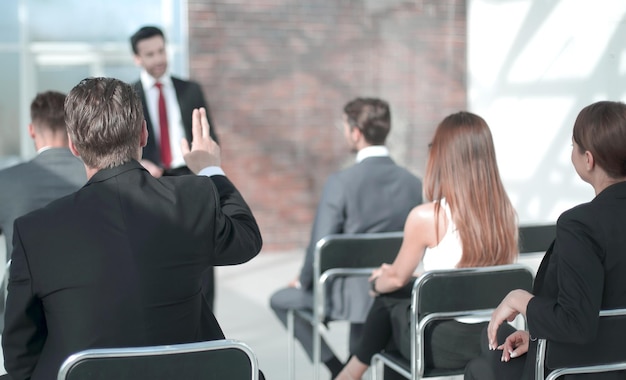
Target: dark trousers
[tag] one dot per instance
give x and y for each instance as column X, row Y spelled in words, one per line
column 488, row 365
column 291, row 298
column 448, row 344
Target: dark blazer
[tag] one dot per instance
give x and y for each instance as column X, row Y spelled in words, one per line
column 119, row 263
column 189, row 95
column 25, row 187
column 582, row 273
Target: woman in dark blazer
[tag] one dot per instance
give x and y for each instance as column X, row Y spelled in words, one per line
column 584, row 269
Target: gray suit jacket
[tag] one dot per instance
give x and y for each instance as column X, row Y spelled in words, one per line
column 30, row 185
column 375, row 195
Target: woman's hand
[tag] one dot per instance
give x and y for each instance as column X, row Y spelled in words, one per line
column 515, row 345
column 376, row 273
column 513, row 304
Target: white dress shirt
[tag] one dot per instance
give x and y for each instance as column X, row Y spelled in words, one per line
column 175, row 122
column 372, row 151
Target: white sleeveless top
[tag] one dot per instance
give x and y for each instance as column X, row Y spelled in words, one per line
column 446, row 254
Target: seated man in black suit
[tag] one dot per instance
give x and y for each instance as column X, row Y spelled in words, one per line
column 119, row 263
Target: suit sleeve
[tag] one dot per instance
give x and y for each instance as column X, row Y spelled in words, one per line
column 329, row 219
column 237, row 234
column 25, row 329
column 571, row 317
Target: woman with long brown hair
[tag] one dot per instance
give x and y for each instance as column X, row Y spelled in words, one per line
column 469, row 222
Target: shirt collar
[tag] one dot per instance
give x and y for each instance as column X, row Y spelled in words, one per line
column 372, row 151
column 43, row 149
column 147, row 81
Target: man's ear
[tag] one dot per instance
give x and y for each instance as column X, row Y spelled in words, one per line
column 356, row 134
column 144, row 133
column 31, row 131
column 137, row 60
column 72, row 147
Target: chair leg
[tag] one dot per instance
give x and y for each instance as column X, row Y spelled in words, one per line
column 376, row 369
column 317, row 350
column 291, row 357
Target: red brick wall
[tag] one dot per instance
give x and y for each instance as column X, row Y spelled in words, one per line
column 277, row 74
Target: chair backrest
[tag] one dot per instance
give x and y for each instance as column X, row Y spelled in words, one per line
column 468, row 289
column 536, row 238
column 356, row 250
column 446, row 294
column 212, row 360
column 341, row 266
column 600, row 355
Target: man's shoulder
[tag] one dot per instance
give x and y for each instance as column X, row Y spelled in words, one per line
column 190, row 183
column 41, row 213
column 384, row 164
column 11, row 173
column 12, row 184
column 177, row 81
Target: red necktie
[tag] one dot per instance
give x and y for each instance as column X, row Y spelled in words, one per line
column 166, row 153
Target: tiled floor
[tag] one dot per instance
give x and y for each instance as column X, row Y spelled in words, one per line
column 242, row 309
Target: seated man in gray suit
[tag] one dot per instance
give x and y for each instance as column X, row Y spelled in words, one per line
column 52, row 174
column 374, row 195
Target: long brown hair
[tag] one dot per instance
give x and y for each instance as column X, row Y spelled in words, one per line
column 462, row 168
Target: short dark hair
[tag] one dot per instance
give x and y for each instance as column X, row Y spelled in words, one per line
column 371, row 116
column 144, row 33
column 104, row 118
column 601, row 129
column 46, row 111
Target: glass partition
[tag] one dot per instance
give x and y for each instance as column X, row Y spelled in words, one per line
column 52, row 45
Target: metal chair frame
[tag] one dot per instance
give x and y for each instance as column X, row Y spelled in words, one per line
column 429, row 287
column 87, row 356
column 344, row 255
column 543, row 350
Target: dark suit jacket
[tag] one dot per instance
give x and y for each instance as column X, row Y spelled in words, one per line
column 119, row 263
column 25, row 187
column 375, row 195
column 583, row 272
column 189, row 95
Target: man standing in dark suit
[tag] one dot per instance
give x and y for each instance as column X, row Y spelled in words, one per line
column 119, row 262
column 374, row 195
column 53, row 173
column 167, row 106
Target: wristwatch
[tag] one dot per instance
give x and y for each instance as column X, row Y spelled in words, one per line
column 373, row 286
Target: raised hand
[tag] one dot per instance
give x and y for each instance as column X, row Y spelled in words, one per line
column 204, row 151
